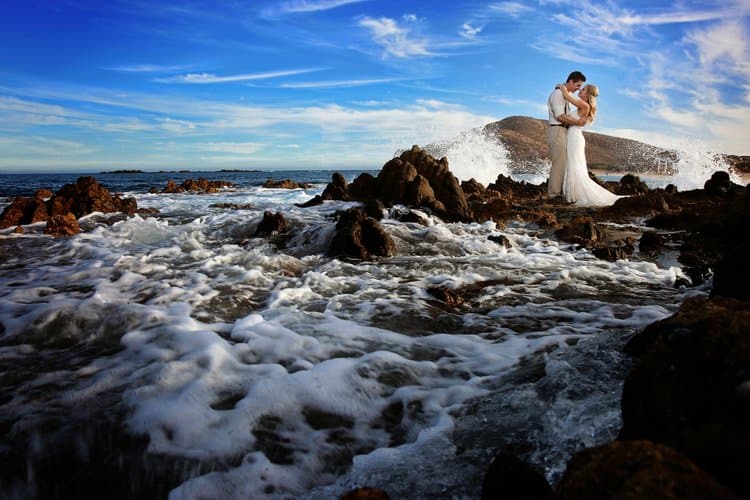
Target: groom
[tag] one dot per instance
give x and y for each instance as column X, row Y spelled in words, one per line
column 557, row 131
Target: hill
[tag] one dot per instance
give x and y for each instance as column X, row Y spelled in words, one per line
column 525, row 139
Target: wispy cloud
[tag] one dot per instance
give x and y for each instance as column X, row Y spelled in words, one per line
column 148, row 68
column 202, row 78
column 304, row 6
column 336, row 84
column 511, row 9
column 396, row 40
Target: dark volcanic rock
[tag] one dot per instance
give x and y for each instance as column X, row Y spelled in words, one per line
column 690, row 389
column 360, row 236
column 631, row 184
column 720, row 184
column 612, row 254
column 732, row 275
column 509, row 478
column 636, row 470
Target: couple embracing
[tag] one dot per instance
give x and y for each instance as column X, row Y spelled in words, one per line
column 569, row 174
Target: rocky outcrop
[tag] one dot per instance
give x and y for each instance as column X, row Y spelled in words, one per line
column 285, row 184
column 271, row 224
column 360, row 236
column 414, row 178
column 83, row 197
column 690, row 388
column 201, row 185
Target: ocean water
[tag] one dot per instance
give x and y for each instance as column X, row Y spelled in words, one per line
column 252, row 370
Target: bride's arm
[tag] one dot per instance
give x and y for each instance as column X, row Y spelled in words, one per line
column 583, row 106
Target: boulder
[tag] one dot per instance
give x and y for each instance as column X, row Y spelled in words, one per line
column 360, row 236
column 650, row 243
column 690, row 389
column 87, row 196
column 720, row 184
column 581, row 230
column 636, row 470
column 632, row 185
column 62, row 225
column 271, row 224
column 24, row 210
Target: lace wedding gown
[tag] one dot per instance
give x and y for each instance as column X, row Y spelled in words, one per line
column 578, row 187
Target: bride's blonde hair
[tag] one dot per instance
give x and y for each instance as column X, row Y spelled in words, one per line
column 593, row 91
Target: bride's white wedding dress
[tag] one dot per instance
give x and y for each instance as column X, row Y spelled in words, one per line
column 578, row 187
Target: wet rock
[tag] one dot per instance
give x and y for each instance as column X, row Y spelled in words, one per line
column 650, row 243
column 271, row 224
column 636, row 469
column 365, row 493
column 671, row 189
column 447, row 295
column 337, row 189
column 201, row 185
column 613, row 253
column 374, row 209
column 411, row 216
column 18, row 230
column 496, row 209
column 581, row 230
column 363, row 187
column 686, row 390
column 501, row 240
column 233, row 206
column 24, row 210
column 87, row 196
column 285, row 184
column 646, row 204
column 63, row 225
column 360, row 236
column 509, row 478
column 419, row 193
column 631, row 185
column 720, row 184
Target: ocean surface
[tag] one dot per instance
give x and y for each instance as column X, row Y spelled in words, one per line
column 250, row 370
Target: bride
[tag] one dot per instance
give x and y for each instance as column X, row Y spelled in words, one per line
column 578, row 187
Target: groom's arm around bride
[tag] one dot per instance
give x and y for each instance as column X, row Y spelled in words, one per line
column 558, row 123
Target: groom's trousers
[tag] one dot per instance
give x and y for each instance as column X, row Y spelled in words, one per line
column 557, row 138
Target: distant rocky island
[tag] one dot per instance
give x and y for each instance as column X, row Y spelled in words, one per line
column 525, row 140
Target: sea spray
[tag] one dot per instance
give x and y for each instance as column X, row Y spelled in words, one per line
column 473, row 154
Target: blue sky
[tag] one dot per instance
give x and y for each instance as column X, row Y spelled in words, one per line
column 341, row 84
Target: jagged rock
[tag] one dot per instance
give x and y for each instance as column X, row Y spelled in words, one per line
column 360, row 236
column 411, row 216
column 24, row 210
column 363, row 187
column 87, row 196
column 581, row 230
column 393, row 179
column 235, row 206
column 63, row 225
column 497, row 209
column 646, row 204
column 43, row 193
column 650, row 243
column 201, row 185
column 690, row 389
column 285, row 184
column 509, row 478
column 18, row 230
column 271, row 224
column 472, row 186
column 636, row 470
column 374, row 209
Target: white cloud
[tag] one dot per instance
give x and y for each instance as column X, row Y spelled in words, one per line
column 201, row 78
column 42, row 146
column 470, row 32
column 147, row 68
column 395, row 39
column 336, row 84
column 511, row 9
column 304, row 6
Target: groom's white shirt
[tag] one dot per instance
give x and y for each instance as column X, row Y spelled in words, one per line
column 556, row 106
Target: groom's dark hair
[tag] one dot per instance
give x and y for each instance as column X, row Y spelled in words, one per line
column 576, row 76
